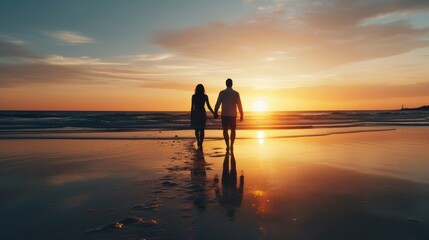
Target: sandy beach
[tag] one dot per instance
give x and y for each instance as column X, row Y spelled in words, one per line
column 118, row 120
column 366, row 185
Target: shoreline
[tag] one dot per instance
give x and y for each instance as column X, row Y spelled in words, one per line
column 188, row 134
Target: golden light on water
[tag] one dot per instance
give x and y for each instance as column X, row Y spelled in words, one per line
column 261, row 201
column 119, row 225
column 261, row 137
column 258, row 193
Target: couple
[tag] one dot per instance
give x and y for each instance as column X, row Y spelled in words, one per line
column 229, row 99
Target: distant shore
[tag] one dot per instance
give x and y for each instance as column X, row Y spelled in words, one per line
column 422, row 108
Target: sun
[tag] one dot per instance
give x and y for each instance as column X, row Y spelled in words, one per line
column 260, row 106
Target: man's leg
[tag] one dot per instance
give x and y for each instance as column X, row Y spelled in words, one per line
column 226, row 137
column 232, row 138
column 233, row 125
column 225, row 126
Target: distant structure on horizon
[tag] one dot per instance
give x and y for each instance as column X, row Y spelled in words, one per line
column 425, row 108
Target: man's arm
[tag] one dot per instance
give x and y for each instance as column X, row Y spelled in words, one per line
column 240, row 107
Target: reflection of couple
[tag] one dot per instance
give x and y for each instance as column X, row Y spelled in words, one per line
column 199, row 181
column 229, row 99
column 230, row 197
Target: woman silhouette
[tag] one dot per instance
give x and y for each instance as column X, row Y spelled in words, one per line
column 198, row 113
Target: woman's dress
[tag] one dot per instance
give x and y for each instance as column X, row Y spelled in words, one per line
column 198, row 116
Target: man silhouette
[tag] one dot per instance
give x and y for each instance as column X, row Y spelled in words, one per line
column 231, row 195
column 230, row 100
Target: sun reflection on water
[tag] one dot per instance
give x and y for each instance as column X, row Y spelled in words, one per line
column 261, row 137
column 260, row 201
column 258, row 193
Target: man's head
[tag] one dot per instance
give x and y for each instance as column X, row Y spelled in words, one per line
column 229, row 82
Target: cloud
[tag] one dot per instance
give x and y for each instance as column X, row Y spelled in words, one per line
column 151, row 57
column 174, row 85
column 346, row 13
column 12, row 40
column 13, row 48
column 17, row 75
column 61, row 60
column 275, row 46
column 306, row 36
column 29, row 68
column 57, row 69
column 12, row 75
column 354, row 92
column 70, row 37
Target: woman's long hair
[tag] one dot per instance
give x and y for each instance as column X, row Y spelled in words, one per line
column 199, row 90
column 199, row 93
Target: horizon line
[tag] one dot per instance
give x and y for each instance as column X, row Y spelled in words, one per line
column 252, row 111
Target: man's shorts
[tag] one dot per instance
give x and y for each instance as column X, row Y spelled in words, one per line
column 229, row 122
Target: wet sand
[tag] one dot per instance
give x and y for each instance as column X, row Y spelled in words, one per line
column 367, row 185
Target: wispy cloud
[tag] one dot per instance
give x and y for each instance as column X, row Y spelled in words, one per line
column 13, row 48
column 311, row 36
column 178, row 86
column 57, row 69
column 12, row 40
column 135, row 70
column 70, row 61
column 357, row 92
column 266, row 49
column 70, row 37
column 12, row 75
column 151, row 57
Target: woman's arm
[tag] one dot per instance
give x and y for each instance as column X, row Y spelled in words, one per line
column 192, row 105
column 208, row 104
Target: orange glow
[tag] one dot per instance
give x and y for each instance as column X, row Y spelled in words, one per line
column 260, row 106
column 123, row 98
column 258, row 193
column 260, row 201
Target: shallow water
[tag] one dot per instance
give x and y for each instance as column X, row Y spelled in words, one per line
column 93, row 121
column 365, row 185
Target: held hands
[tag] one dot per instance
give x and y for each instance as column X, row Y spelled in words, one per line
column 215, row 115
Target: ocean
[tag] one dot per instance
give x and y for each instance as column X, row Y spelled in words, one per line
column 138, row 175
column 116, row 121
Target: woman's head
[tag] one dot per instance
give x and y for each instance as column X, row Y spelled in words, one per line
column 199, row 89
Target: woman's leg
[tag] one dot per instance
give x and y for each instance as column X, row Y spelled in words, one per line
column 201, row 137
column 197, row 135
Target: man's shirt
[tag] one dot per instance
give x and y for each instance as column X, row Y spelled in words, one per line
column 229, row 99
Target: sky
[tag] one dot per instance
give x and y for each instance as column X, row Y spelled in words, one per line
column 149, row 55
